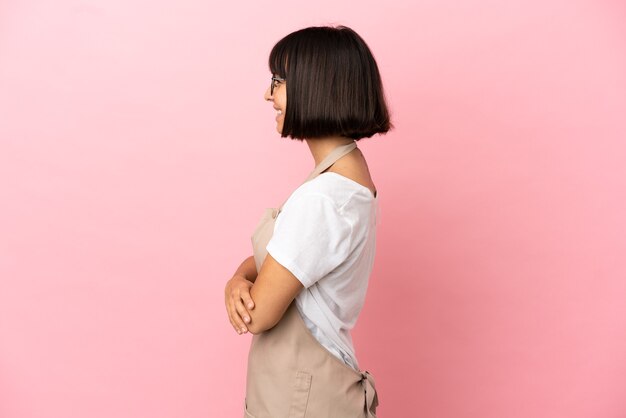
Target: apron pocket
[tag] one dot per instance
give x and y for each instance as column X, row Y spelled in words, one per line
column 300, row 395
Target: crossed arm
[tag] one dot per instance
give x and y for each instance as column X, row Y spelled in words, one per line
column 255, row 302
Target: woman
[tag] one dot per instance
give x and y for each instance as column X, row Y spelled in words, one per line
column 302, row 290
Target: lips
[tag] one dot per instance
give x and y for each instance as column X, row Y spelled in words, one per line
column 279, row 112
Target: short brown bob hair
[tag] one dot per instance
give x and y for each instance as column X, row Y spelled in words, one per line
column 333, row 84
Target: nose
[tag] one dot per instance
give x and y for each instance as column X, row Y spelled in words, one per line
column 267, row 95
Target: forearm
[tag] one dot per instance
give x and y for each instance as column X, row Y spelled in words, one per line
column 247, row 269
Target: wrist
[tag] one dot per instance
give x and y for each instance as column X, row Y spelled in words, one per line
column 247, row 270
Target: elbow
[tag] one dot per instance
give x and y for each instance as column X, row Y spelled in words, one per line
column 253, row 329
column 258, row 325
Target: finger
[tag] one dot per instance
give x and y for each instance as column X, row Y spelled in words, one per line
column 236, row 322
column 233, row 324
column 241, row 310
column 230, row 319
column 233, row 316
column 236, row 318
column 247, row 299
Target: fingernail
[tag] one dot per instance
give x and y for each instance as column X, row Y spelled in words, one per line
column 249, row 305
column 245, row 318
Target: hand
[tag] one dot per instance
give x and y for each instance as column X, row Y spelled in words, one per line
column 236, row 294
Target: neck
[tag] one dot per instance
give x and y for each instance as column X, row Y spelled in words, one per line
column 321, row 147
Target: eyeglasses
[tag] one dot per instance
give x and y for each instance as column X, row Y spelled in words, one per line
column 273, row 84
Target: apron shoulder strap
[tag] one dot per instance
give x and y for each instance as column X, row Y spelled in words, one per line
column 329, row 160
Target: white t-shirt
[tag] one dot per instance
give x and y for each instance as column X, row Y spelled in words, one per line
column 326, row 236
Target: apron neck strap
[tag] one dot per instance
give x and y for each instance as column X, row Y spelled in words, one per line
column 329, row 160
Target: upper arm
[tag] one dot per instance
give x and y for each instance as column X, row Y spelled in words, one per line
column 311, row 237
column 274, row 289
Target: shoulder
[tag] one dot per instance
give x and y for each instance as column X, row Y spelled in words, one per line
column 331, row 188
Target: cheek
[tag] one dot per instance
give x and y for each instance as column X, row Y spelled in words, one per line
column 281, row 98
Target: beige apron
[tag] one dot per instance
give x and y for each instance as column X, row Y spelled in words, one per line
column 290, row 374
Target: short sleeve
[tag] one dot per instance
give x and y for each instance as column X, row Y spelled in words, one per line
column 311, row 237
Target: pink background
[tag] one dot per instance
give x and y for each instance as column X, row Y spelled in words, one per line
column 137, row 154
